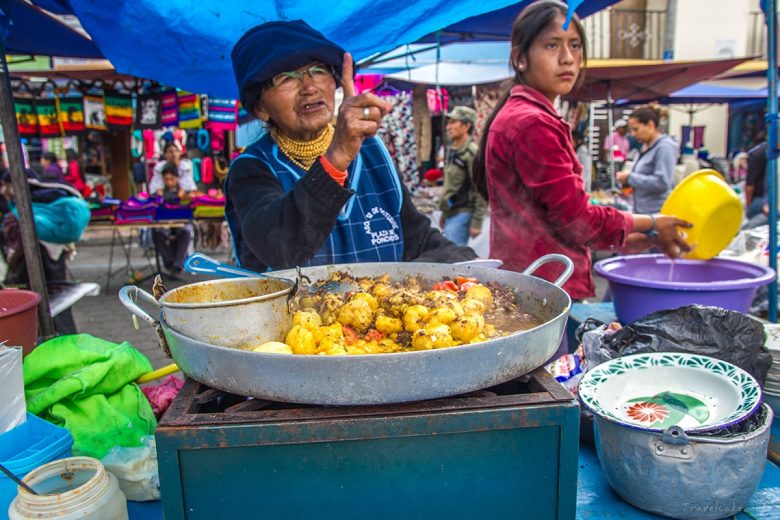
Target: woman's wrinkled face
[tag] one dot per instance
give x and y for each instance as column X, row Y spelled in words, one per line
column 554, row 60
column 300, row 107
column 642, row 132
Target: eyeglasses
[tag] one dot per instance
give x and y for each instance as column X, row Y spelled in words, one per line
column 292, row 79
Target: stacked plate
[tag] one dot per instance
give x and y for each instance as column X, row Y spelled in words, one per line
column 772, row 383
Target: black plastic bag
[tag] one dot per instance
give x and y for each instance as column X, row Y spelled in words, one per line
column 709, row 331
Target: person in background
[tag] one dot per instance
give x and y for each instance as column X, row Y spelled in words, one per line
column 73, row 173
column 139, row 174
column 617, row 142
column 172, row 155
column 50, row 170
column 583, row 155
column 310, row 192
column 463, row 208
column 172, row 244
column 528, row 169
column 651, row 174
column 755, row 183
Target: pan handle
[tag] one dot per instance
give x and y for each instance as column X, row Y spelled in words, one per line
column 129, row 294
column 546, row 259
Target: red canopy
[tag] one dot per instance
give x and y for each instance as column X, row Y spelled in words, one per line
column 647, row 81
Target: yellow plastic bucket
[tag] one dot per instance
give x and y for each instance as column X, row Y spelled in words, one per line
column 705, row 200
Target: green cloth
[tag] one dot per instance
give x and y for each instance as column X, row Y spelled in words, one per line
column 85, row 384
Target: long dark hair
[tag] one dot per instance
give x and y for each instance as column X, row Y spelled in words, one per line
column 529, row 24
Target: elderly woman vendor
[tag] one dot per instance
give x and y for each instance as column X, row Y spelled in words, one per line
column 309, row 193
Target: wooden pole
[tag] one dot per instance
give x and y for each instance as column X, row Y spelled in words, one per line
column 119, row 149
column 32, row 252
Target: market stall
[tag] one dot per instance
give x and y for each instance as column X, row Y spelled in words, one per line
column 404, row 390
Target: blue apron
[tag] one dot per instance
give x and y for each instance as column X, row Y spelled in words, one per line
column 368, row 229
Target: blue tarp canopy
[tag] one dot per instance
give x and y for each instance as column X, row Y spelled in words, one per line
column 497, row 25
column 29, row 30
column 705, row 93
column 187, row 44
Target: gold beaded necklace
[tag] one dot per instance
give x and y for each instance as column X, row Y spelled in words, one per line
column 304, row 153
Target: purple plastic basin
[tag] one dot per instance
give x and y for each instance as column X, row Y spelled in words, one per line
column 642, row 284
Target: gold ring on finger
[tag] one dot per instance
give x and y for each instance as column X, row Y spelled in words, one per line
column 366, row 112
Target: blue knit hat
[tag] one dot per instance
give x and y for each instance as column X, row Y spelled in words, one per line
column 275, row 47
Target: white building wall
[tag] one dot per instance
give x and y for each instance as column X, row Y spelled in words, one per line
column 709, row 29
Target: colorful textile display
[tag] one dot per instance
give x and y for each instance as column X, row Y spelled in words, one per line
column 71, row 114
column 119, row 110
column 438, row 100
column 136, row 209
column 170, row 211
column 170, row 109
column 94, row 113
column 148, row 113
column 207, row 170
column 189, row 110
column 86, row 385
column 222, row 114
column 484, row 103
column 48, row 120
column 397, row 131
column 26, row 120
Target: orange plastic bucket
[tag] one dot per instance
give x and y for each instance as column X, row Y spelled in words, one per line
column 19, row 318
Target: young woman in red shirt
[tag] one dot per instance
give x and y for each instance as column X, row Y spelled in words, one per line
column 528, row 169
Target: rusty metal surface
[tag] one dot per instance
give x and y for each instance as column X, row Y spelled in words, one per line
column 198, row 405
column 381, row 378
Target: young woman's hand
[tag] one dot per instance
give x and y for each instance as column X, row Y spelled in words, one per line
column 669, row 239
column 358, row 118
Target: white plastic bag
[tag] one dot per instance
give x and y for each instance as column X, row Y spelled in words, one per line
column 13, row 409
column 136, row 470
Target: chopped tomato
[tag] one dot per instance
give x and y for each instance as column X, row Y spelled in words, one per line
column 350, row 335
column 374, row 335
column 462, row 279
column 465, row 286
column 446, row 285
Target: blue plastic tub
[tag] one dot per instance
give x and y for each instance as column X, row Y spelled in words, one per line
column 29, row 445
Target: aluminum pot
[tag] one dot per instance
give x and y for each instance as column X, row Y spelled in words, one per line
column 385, row 378
column 683, row 476
column 230, row 313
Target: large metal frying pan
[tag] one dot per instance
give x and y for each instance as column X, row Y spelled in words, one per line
column 385, row 378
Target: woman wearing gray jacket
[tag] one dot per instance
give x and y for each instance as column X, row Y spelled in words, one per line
column 651, row 174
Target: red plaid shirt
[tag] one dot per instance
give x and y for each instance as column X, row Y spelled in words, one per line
column 537, row 198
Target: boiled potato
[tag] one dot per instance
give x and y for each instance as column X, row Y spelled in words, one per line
column 387, row 324
column 481, row 293
column 440, row 316
column 368, row 298
column 472, row 306
column 356, row 313
column 309, row 320
column 273, row 347
column 467, row 327
column 414, row 317
column 437, row 336
column 301, row 341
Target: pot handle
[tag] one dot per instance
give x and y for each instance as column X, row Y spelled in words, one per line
column 546, row 259
column 129, row 294
column 198, row 263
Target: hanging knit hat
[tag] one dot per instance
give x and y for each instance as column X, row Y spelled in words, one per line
column 275, row 47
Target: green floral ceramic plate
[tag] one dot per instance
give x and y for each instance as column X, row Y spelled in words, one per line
column 655, row 391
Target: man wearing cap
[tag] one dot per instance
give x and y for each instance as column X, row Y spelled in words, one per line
column 309, row 192
column 462, row 207
column 618, row 140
